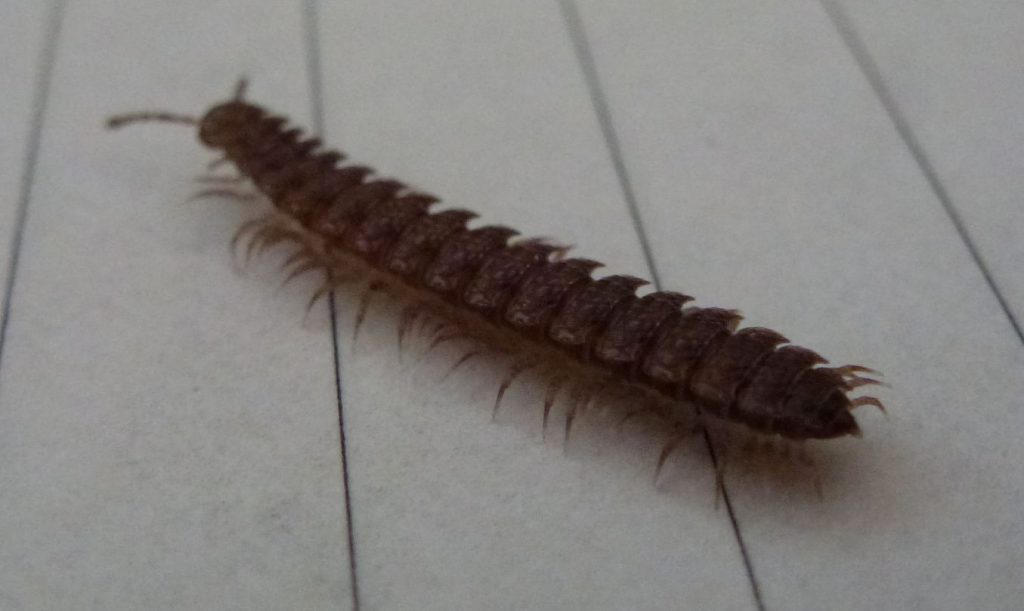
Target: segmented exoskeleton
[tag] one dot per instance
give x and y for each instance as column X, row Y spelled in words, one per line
column 522, row 295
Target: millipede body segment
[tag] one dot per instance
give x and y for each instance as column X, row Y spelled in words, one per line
column 524, row 291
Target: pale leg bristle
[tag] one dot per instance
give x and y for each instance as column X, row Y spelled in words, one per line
column 222, row 180
column 859, row 401
column 666, row 451
column 554, row 385
column 580, row 400
column 364, row 306
column 465, row 358
column 406, row 320
column 513, row 373
column 224, row 193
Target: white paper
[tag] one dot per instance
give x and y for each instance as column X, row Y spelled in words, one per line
column 169, row 427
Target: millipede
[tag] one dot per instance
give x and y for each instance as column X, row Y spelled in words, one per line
column 590, row 337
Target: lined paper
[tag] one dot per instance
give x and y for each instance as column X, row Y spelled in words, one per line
column 23, row 37
column 789, row 174
column 171, row 427
column 438, row 491
column 166, row 442
column 953, row 71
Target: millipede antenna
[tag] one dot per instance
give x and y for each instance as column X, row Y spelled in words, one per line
column 240, row 88
column 138, row 117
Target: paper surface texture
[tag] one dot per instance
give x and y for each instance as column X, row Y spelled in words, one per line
column 178, row 433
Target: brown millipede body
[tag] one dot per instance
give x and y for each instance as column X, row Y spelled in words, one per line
column 521, row 297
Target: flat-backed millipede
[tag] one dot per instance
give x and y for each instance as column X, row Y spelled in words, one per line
column 522, row 297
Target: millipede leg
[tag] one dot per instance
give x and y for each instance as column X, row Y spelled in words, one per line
column 216, row 163
column 441, row 339
column 554, row 385
column 306, row 267
column 266, row 237
column 302, row 261
column 222, row 180
column 581, row 400
column 250, row 230
column 667, row 450
column 364, row 306
column 513, row 373
column 331, row 282
column 859, row 401
column 406, row 320
column 243, row 196
column 462, row 361
column 441, row 327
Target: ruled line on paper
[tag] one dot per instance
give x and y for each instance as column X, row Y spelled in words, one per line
column 578, row 37
column 40, row 99
column 314, row 68
column 873, row 74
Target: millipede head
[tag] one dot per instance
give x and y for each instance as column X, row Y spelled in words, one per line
column 222, row 125
column 226, row 123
